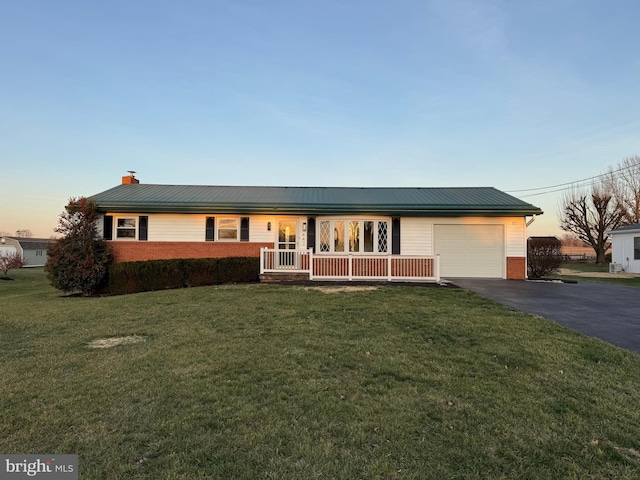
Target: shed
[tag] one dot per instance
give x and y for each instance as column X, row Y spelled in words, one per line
column 32, row 250
column 625, row 248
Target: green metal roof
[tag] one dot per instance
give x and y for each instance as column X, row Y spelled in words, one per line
column 143, row 198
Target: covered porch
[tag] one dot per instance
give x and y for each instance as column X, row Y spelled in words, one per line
column 304, row 264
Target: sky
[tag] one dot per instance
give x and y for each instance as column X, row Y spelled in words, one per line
column 512, row 94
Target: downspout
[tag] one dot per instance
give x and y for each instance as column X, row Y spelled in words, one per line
column 533, row 219
column 526, row 260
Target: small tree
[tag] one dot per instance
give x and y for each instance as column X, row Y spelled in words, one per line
column 79, row 261
column 9, row 262
column 544, row 256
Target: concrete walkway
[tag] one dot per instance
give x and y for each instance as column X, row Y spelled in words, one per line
column 609, row 312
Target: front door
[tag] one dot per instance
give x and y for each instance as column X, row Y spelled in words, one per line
column 287, row 230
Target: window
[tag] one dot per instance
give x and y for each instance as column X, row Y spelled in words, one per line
column 636, row 248
column 39, row 253
column 353, row 236
column 383, row 234
column 338, row 236
column 126, row 228
column 325, row 237
column 228, row 229
column 367, row 235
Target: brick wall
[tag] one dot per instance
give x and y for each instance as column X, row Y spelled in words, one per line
column 135, row 251
column 516, row 268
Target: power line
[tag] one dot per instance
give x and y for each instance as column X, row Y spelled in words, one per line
column 568, row 185
column 557, row 190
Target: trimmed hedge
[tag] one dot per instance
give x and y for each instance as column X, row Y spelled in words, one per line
column 134, row 277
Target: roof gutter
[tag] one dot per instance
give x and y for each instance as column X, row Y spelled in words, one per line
column 315, row 209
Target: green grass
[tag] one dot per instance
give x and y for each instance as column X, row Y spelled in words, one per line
column 593, row 268
column 282, row 382
column 586, row 267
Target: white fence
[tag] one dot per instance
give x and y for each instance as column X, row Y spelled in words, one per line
column 350, row 267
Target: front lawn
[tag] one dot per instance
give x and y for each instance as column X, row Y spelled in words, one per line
column 282, row 382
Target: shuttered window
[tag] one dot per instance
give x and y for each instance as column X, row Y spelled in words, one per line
column 244, row 229
column 143, row 228
column 107, row 229
column 210, row 228
column 395, row 236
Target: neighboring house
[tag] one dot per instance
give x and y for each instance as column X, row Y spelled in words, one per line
column 32, row 250
column 625, row 247
column 324, row 232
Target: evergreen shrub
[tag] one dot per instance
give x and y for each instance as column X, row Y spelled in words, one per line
column 151, row 275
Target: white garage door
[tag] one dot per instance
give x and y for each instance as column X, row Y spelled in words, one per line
column 470, row 250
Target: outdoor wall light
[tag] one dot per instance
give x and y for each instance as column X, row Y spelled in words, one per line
column 304, row 227
column 269, row 226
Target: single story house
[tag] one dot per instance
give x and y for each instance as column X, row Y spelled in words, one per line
column 625, row 248
column 323, row 232
column 32, row 250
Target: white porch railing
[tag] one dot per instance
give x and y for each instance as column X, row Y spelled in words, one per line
column 350, row 267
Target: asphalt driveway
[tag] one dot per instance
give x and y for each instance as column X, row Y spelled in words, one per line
column 609, row 312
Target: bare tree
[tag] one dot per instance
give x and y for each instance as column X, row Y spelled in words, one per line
column 623, row 182
column 589, row 214
column 24, row 233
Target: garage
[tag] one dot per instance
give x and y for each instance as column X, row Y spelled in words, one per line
column 470, row 250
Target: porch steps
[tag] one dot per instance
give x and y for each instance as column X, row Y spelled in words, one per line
column 283, row 277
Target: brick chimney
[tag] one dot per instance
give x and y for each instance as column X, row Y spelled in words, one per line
column 130, row 179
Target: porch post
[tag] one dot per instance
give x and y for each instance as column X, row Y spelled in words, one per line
column 389, row 262
column 310, row 263
column 438, row 268
column 261, row 260
column 350, row 267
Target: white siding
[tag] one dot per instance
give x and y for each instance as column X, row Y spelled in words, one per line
column 6, row 250
column 258, row 228
column 176, row 228
column 622, row 251
column 516, row 237
column 416, row 236
column 100, row 226
column 168, row 227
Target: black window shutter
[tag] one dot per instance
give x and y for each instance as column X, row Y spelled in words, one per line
column 244, row 229
column 143, row 228
column 210, row 228
column 107, row 230
column 395, row 236
column 311, row 233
